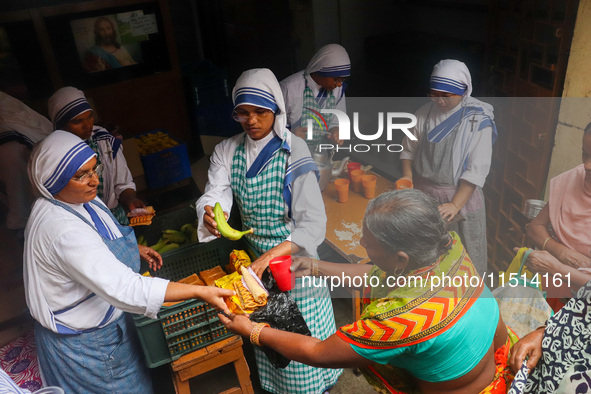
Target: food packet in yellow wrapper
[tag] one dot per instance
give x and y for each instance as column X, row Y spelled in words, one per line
column 227, row 282
column 250, row 293
column 238, row 258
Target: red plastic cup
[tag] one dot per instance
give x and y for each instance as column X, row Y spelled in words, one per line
column 280, row 268
column 352, row 165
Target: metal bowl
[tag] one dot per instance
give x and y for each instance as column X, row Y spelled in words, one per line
column 531, row 208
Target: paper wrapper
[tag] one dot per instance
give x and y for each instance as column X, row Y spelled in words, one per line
column 141, row 216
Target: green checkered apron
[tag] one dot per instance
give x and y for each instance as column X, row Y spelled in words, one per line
column 118, row 211
column 262, row 207
column 318, row 126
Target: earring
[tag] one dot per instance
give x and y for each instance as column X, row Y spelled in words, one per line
column 397, row 272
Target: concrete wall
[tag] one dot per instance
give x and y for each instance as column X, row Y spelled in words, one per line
column 575, row 110
column 351, row 22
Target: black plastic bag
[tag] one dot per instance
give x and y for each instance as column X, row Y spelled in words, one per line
column 282, row 313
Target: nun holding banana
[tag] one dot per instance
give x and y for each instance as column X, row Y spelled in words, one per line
column 270, row 174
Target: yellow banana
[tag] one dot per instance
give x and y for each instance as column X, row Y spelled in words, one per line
column 187, row 229
column 158, row 245
column 194, row 237
column 168, row 247
column 174, row 236
column 223, row 226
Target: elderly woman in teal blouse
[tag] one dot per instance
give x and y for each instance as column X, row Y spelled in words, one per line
column 417, row 332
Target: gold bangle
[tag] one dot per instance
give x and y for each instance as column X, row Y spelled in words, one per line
column 314, row 267
column 256, row 332
column 545, row 242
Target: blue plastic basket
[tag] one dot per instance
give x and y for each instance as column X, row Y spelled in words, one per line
column 167, row 166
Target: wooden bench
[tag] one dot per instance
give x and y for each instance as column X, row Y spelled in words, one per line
column 213, row 356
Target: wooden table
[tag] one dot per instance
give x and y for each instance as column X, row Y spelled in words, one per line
column 344, row 226
column 345, row 220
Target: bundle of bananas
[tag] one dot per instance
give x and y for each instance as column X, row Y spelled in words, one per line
column 154, row 142
column 172, row 239
column 165, row 244
column 190, row 231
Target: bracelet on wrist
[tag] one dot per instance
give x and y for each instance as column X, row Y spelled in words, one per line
column 314, row 267
column 256, row 332
column 545, row 242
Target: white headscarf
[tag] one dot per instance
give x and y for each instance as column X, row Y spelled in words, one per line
column 52, row 164
column 331, row 60
column 55, row 160
column 259, row 87
column 16, row 116
column 451, row 76
column 66, row 104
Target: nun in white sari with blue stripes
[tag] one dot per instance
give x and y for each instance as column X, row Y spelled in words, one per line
column 270, row 174
column 451, row 157
column 81, row 275
column 69, row 110
column 320, row 86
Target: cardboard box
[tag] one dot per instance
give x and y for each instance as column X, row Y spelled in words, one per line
column 134, row 163
column 132, row 156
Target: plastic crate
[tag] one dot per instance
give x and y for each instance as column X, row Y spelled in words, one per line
column 166, row 166
column 172, row 219
column 192, row 324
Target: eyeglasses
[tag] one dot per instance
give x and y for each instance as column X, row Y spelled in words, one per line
column 259, row 114
column 339, row 79
column 85, row 178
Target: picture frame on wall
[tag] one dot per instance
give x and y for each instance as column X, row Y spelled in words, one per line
column 105, row 46
column 110, row 41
